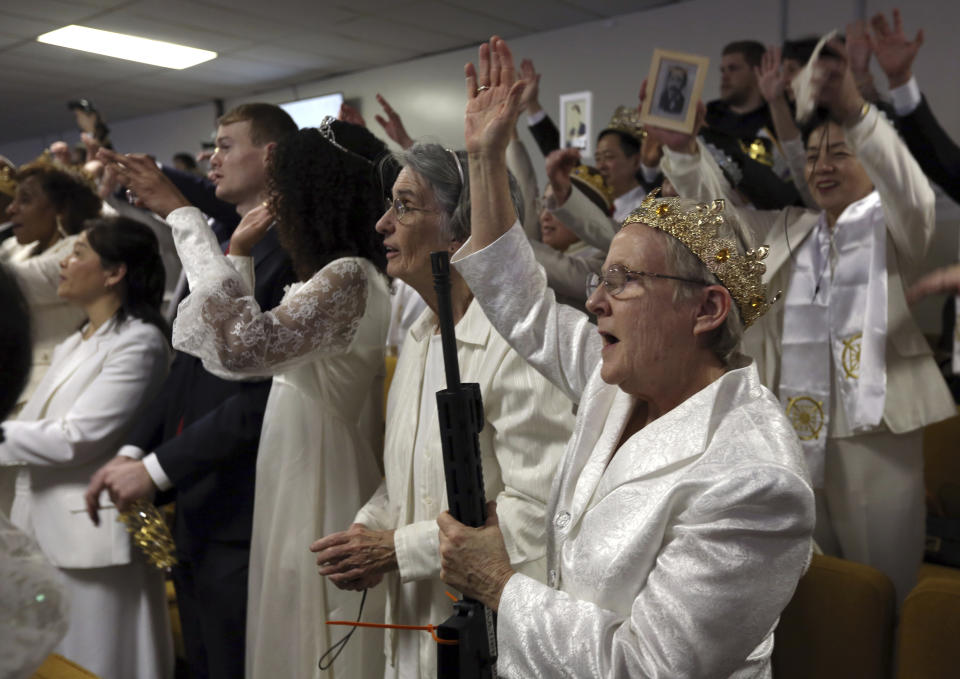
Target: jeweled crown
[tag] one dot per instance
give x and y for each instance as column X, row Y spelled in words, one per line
column 627, row 120
column 592, row 178
column 698, row 227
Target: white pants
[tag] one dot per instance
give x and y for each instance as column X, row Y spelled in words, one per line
column 871, row 508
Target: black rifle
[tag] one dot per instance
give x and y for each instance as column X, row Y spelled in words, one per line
column 460, row 408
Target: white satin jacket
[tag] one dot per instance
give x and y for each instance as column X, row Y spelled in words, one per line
column 675, row 557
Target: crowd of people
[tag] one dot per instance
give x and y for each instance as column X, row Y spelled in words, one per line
column 697, row 361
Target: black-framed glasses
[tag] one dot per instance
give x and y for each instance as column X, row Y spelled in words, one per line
column 402, row 209
column 615, row 279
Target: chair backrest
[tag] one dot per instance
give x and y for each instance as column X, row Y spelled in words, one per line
column 929, row 634
column 838, row 624
column 58, row 667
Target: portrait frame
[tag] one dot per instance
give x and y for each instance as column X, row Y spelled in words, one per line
column 667, row 104
column 576, row 121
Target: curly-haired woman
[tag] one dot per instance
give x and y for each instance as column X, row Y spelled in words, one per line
column 324, row 347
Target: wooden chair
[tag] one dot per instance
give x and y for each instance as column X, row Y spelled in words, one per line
column 58, row 667
column 929, row 634
column 838, row 624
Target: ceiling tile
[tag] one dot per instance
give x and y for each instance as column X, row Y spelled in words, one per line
column 446, row 19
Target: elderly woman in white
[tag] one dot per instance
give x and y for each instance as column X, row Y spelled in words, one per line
column 527, row 420
column 681, row 519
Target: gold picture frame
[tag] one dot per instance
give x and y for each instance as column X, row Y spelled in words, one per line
column 674, row 87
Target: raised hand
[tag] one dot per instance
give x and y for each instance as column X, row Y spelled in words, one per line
column 149, row 187
column 835, row 87
column 393, row 125
column 349, row 114
column 251, row 230
column 770, row 76
column 493, row 99
column 895, row 53
column 941, row 281
column 857, row 41
column 560, row 164
column 531, row 87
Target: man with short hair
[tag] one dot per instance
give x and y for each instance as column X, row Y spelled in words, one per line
column 740, row 111
column 204, row 431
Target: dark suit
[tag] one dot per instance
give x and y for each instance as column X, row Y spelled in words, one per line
column 205, row 432
column 937, row 154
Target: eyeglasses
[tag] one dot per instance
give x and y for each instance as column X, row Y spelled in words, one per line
column 402, row 209
column 615, row 279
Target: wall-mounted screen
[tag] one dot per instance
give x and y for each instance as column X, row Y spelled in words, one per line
column 310, row 112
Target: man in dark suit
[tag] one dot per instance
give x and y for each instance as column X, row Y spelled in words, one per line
column 198, row 442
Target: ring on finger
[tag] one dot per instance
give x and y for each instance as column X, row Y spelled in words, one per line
column 482, row 88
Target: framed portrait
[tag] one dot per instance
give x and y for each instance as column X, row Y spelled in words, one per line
column 575, row 121
column 674, row 87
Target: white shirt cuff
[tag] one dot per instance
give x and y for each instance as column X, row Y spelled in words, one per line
column 906, row 98
column 536, row 117
column 157, row 475
column 417, row 547
column 133, row 452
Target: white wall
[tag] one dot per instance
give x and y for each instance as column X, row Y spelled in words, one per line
column 611, row 58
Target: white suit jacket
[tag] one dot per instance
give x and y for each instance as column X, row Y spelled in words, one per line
column 53, row 319
column 673, row 558
column 74, row 423
column 916, row 393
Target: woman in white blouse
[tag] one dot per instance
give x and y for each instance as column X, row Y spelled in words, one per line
column 48, row 210
column 98, row 380
column 324, row 348
column 526, row 422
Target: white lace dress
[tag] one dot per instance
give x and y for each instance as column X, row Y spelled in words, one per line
column 324, row 347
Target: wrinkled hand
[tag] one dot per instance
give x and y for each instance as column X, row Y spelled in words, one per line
column 125, row 479
column 393, row 125
column 491, row 114
column 251, row 230
column 530, row 99
column 349, row 114
column 770, row 76
column 140, row 174
column 940, row 281
column 356, row 558
column 560, row 164
column 895, row 53
column 474, row 560
column 835, row 87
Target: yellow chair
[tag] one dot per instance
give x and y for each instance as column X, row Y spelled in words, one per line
column 838, row 624
column 58, row 667
column 930, row 630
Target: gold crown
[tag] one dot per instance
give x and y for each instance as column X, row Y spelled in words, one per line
column 8, row 181
column 698, row 228
column 591, row 177
column 150, row 534
column 627, row 120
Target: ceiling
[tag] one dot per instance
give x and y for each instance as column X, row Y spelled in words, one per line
column 262, row 44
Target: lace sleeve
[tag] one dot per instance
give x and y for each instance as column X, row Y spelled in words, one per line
column 221, row 323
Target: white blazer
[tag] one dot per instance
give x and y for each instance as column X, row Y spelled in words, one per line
column 74, row 423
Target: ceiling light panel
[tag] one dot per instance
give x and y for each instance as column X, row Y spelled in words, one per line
column 129, row 47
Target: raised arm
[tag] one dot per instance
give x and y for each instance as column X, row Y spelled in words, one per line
column 558, row 341
column 221, row 322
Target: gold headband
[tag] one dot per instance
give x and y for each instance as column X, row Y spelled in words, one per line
column 627, row 121
column 697, row 227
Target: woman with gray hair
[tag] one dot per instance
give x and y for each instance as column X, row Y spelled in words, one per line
column 682, row 502
column 527, row 421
